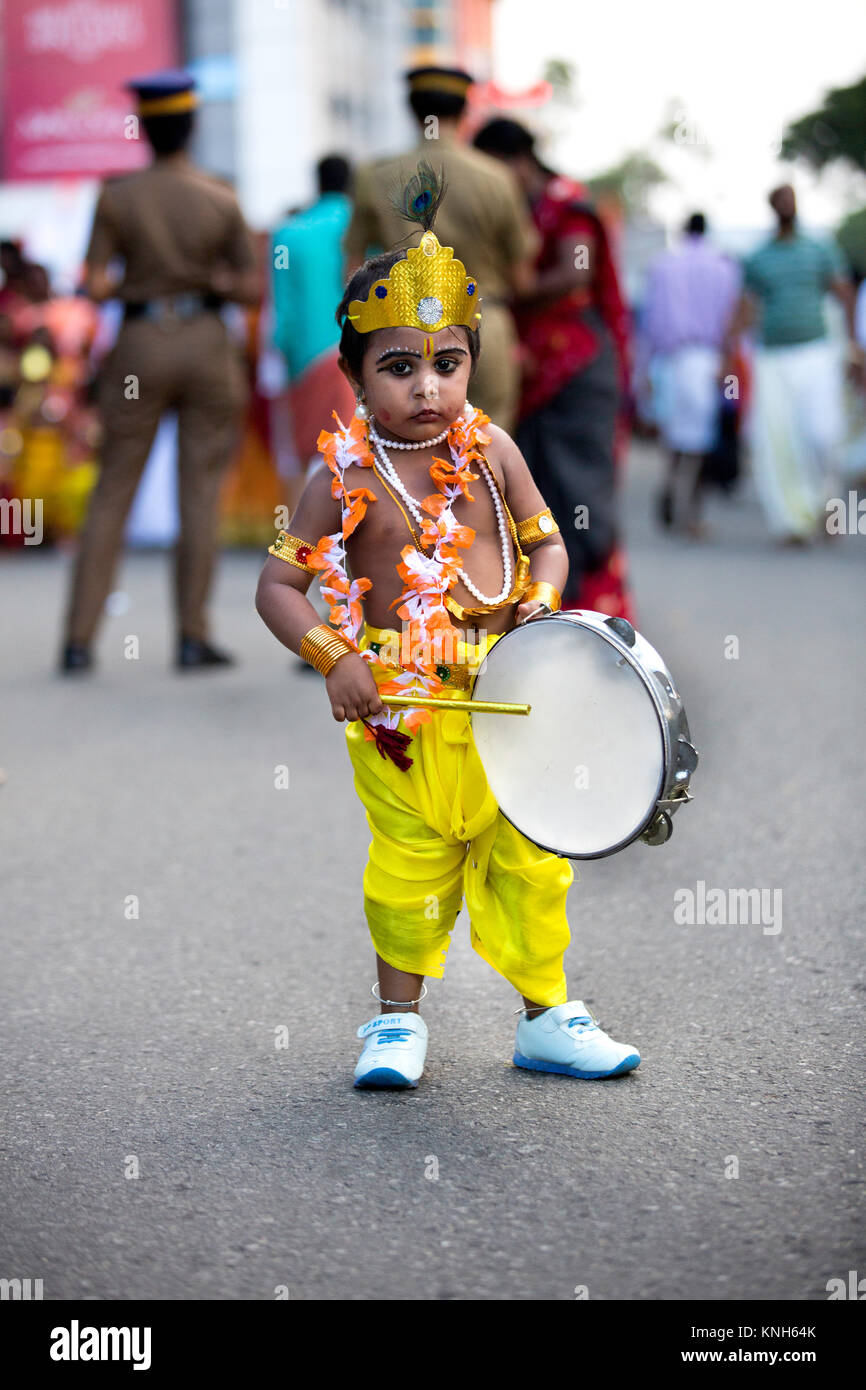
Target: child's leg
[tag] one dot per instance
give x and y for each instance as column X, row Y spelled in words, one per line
column 532, row 1009
column 398, row 987
column 413, row 890
column 516, row 897
column 413, row 880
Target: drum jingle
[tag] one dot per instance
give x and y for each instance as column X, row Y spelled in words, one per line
column 604, row 756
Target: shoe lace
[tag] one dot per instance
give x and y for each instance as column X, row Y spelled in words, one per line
column 585, row 1022
column 393, row 1035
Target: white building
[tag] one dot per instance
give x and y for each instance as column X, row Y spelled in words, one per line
column 286, row 81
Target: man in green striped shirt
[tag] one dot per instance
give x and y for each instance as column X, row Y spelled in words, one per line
column 797, row 414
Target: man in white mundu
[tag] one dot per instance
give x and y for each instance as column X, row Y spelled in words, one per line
column 797, row 420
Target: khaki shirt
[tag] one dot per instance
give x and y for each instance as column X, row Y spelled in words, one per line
column 173, row 225
column 483, row 215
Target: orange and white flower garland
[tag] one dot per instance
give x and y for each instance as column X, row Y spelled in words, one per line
column 427, row 578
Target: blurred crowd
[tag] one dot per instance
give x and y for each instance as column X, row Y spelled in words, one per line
column 49, row 429
column 568, row 366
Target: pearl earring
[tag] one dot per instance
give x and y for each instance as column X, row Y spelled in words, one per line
column 361, row 409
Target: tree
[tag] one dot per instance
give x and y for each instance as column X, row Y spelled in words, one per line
column 562, row 77
column 630, row 182
column 836, row 131
column 851, row 236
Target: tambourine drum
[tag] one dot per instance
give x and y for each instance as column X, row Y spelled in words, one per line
column 604, row 756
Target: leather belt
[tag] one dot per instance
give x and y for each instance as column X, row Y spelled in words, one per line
column 168, row 310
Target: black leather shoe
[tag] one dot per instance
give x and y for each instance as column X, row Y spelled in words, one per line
column 75, row 658
column 665, row 508
column 193, row 654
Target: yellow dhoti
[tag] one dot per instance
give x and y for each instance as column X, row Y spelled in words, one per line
column 438, row 835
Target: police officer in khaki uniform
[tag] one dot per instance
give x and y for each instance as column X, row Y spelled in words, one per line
column 186, row 251
column 483, row 216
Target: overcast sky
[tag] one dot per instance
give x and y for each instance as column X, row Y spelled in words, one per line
column 739, row 71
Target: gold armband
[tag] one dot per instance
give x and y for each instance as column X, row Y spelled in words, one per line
column 544, row 593
column 323, row 646
column 536, row 528
column 293, row 550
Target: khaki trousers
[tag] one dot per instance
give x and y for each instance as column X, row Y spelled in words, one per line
column 196, row 370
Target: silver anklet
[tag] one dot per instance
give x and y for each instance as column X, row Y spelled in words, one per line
column 397, row 1003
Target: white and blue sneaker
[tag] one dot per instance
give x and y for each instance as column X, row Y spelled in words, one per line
column 568, row 1040
column 395, row 1046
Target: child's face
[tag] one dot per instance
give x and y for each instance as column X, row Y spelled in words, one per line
column 415, row 383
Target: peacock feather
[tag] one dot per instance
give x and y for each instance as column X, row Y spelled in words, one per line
column 418, row 200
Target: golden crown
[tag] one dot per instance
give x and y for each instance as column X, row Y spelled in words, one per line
column 428, row 290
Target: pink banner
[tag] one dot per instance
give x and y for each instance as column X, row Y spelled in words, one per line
column 65, row 113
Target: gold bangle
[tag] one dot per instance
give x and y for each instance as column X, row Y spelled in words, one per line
column 536, row 528
column 323, row 646
column 545, row 593
column 293, row 550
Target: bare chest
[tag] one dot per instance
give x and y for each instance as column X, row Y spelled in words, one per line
column 390, row 524
column 374, row 550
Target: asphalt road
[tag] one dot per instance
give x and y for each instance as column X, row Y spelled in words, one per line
column 148, row 1044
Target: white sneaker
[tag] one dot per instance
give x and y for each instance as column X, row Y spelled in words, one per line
column 568, row 1040
column 395, row 1046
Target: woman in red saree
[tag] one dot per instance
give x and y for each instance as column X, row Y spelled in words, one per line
column 574, row 331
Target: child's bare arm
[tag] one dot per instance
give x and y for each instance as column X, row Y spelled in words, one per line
column 282, row 604
column 549, row 556
column 281, row 594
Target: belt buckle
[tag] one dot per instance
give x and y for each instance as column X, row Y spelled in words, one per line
column 455, row 675
column 170, row 311
column 463, row 670
column 162, row 313
column 169, row 316
column 188, row 304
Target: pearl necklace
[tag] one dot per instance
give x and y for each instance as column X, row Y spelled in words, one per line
column 413, row 505
column 395, row 444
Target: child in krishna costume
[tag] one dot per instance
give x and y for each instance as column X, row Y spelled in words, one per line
column 410, row 339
